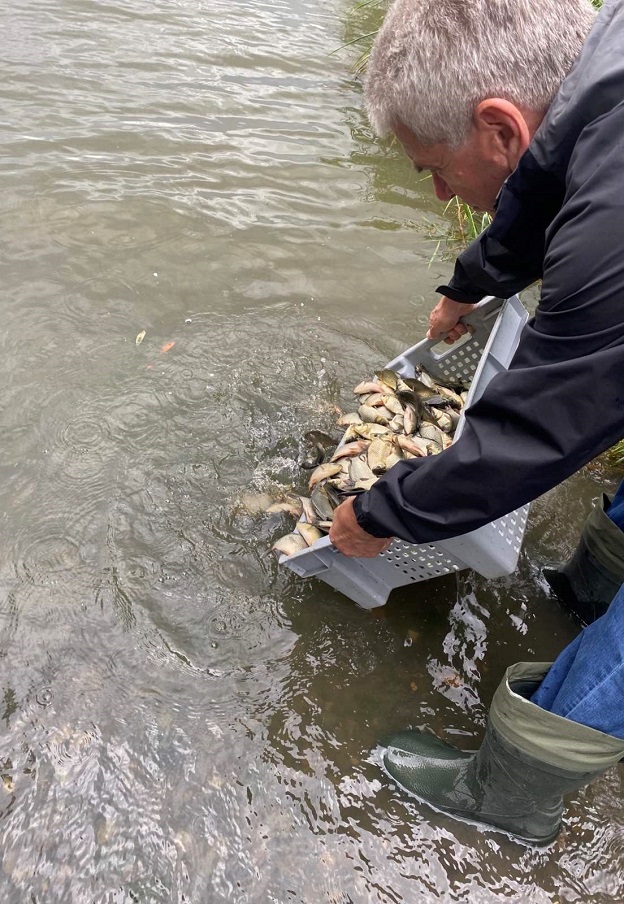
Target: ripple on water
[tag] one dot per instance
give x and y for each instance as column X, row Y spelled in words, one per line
column 139, row 419
column 83, row 431
column 9, row 614
column 44, row 696
column 69, row 746
column 41, row 559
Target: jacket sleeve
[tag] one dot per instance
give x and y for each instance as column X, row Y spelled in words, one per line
column 561, row 402
column 508, row 255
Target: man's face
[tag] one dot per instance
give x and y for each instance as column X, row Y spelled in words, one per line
column 472, row 171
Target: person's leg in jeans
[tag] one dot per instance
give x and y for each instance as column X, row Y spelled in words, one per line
column 586, row 681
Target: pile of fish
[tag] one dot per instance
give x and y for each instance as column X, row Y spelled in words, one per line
column 397, row 418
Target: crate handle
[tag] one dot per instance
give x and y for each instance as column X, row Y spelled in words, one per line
column 483, row 309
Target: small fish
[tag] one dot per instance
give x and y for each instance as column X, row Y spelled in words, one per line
column 456, row 384
column 397, row 424
column 309, row 532
column 347, row 419
column 421, row 389
column 368, row 431
column 329, row 469
column 431, row 432
column 350, row 449
column 288, row 508
column 439, row 401
column 289, row 545
column 309, row 512
column 323, row 439
column 392, row 403
column 443, row 420
column 334, row 495
column 452, row 396
column 372, row 416
column 411, row 419
column 387, row 377
column 314, row 455
column 368, row 387
column 415, row 445
column 360, row 473
column 379, row 451
column 254, row 503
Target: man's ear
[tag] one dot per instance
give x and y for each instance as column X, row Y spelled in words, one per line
column 504, row 130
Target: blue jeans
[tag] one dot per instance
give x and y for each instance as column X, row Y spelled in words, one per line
column 586, row 681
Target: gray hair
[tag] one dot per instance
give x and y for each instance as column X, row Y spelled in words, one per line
column 433, row 61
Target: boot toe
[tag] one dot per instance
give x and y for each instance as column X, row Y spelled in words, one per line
column 434, row 779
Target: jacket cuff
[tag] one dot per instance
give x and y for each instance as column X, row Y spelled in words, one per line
column 459, row 295
column 365, row 521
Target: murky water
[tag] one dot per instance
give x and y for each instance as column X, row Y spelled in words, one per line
column 181, row 722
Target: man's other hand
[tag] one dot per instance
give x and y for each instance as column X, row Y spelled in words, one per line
column 444, row 320
column 349, row 538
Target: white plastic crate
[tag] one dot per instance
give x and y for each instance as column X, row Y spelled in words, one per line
column 493, row 549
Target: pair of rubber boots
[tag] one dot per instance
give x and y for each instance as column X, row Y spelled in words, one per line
column 529, row 757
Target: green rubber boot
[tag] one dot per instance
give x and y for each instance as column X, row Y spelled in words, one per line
column 515, row 782
column 589, row 581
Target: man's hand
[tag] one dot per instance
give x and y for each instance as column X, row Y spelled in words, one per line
column 444, row 319
column 349, row 538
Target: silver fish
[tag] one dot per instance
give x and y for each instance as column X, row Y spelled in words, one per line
column 378, row 454
column 289, row 545
column 387, row 377
column 368, row 386
column 348, row 450
column 309, row 532
column 289, row 508
column 329, row 469
column 321, row 504
column 372, row 416
column 347, row 419
column 369, row 431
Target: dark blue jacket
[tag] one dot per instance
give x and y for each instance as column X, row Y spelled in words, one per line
column 560, row 217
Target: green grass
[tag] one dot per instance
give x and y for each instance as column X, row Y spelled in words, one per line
column 467, row 223
column 615, row 455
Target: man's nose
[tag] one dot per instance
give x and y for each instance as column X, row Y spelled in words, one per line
column 443, row 192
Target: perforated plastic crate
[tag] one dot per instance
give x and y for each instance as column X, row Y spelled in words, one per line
column 493, row 549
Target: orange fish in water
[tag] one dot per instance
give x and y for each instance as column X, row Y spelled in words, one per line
column 167, row 347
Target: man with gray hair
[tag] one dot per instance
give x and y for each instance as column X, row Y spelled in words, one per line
column 517, row 106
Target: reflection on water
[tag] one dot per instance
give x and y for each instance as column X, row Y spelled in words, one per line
column 181, row 721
